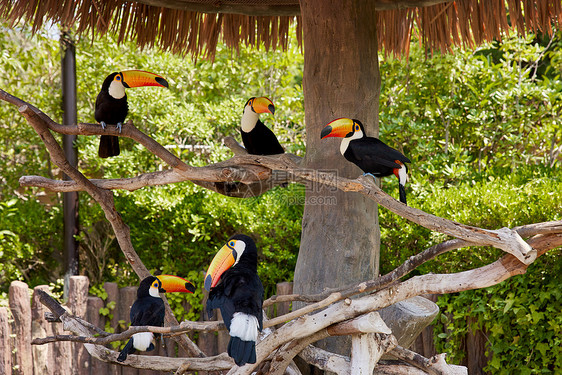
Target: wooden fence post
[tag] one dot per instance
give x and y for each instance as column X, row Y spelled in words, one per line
column 5, row 347
column 44, row 362
column 112, row 291
column 207, row 341
column 127, row 296
column 284, row 289
column 475, row 348
column 20, row 306
column 93, row 316
column 77, row 302
column 62, row 352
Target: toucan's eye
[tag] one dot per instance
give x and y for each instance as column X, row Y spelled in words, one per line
column 232, row 243
column 118, row 78
column 155, row 284
column 250, row 103
column 356, row 127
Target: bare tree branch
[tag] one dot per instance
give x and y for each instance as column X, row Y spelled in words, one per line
column 185, row 326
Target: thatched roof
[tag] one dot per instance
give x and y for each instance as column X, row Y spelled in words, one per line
column 195, row 26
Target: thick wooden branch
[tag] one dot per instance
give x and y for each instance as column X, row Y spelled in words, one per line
column 504, row 238
column 369, row 323
column 542, row 242
column 185, row 326
column 340, row 364
column 325, row 360
column 434, row 366
column 367, row 349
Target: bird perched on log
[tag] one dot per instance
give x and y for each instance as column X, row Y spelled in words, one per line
column 148, row 309
column 112, row 107
column 239, row 295
column 370, row 154
column 258, row 139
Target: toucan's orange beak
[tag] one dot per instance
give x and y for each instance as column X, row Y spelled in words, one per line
column 263, row 105
column 172, row 284
column 337, row 128
column 224, row 259
column 137, row 78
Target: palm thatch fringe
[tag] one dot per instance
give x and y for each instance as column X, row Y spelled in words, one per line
column 468, row 22
column 439, row 27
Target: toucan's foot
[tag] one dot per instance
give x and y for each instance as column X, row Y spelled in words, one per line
column 119, row 126
column 370, row 174
column 103, row 125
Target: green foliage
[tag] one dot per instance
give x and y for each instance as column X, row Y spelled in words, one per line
column 459, row 115
column 521, row 319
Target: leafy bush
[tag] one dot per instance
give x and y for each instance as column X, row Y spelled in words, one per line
column 520, row 317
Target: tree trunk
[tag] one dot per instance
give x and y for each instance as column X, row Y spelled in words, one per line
column 340, row 233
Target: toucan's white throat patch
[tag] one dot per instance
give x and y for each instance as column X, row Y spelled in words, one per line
column 116, row 90
column 239, row 247
column 345, row 141
column 249, row 119
column 154, row 292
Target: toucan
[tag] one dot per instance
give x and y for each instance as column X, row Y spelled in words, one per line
column 112, row 107
column 239, row 295
column 148, row 309
column 258, row 139
column 370, row 154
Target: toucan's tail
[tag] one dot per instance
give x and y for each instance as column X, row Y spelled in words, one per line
column 242, row 351
column 402, row 191
column 128, row 349
column 109, row 146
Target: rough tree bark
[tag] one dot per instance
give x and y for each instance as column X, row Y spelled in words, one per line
column 340, row 242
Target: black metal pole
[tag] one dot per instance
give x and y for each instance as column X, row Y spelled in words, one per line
column 70, row 200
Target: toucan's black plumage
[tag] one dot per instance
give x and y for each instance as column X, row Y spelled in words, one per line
column 370, row 154
column 239, row 295
column 148, row 309
column 112, row 107
column 258, row 139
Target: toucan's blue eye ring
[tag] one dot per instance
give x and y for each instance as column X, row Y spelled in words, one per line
column 356, row 127
column 118, row 78
column 232, row 243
